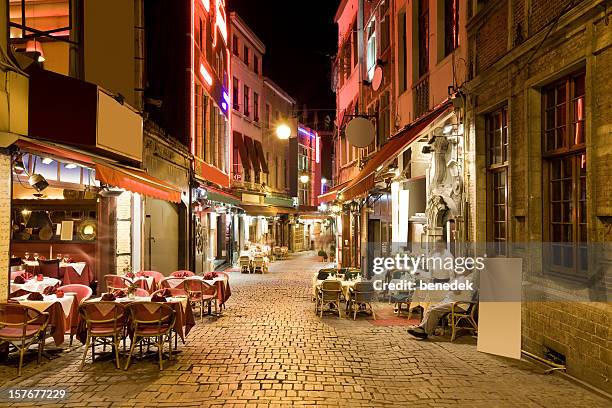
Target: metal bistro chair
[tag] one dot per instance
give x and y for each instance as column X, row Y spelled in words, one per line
column 105, row 323
column 21, row 326
column 362, row 294
column 330, row 293
column 245, row 264
column 116, row 282
column 151, row 320
column 201, row 293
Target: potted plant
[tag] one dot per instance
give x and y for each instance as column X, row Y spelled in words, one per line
column 323, row 255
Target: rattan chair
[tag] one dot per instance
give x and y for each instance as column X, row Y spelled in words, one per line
column 245, row 264
column 151, row 320
column 259, row 265
column 201, row 293
column 463, row 316
column 116, row 282
column 21, row 326
column 362, row 294
column 330, row 293
column 105, row 323
column 171, row 282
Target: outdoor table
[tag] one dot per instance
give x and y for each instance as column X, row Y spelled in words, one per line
column 34, row 285
column 346, row 287
column 63, row 313
column 144, row 282
column 185, row 320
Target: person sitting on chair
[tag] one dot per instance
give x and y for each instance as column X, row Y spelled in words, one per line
column 435, row 313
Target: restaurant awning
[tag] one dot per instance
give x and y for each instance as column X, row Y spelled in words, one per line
column 250, row 146
column 261, row 156
column 137, row 181
column 332, row 193
column 54, row 151
column 220, row 196
column 213, row 174
column 242, row 151
column 259, row 210
column 365, row 179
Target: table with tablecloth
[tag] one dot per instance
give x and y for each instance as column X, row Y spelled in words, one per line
column 426, row 298
column 223, row 287
column 69, row 272
column 183, row 324
column 144, row 282
column 63, row 314
column 346, row 287
column 34, row 285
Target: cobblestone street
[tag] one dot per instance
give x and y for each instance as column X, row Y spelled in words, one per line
column 269, row 348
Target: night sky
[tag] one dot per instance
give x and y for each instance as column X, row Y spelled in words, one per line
column 300, row 39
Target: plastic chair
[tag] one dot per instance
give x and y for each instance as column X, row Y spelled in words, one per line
column 21, row 326
column 329, row 293
column 171, row 282
column 116, row 282
column 104, row 321
column 201, row 293
column 362, row 294
column 49, row 268
column 151, row 320
column 182, row 274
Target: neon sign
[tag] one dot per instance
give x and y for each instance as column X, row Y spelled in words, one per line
column 220, row 20
column 206, row 75
column 206, row 4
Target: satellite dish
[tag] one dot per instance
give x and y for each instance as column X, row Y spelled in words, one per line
column 377, row 79
column 360, row 132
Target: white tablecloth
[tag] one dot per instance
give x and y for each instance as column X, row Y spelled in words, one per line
column 79, row 267
column 42, row 305
column 34, row 285
column 346, row 287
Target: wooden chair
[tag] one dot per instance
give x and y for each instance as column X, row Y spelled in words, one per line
column 330, row 293
column 21, row 326
column 171, row 282
column 463, row 316
column 201, row 293
column 362, row 294
column 105, row 323
column 116, row 282
column 151, row 321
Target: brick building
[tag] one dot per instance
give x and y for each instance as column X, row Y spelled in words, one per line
column 538, row 131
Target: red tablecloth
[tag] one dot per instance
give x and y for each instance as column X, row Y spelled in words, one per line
column 185, row 320
column 59, row 324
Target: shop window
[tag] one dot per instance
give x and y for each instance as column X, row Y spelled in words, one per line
column 496, row 128
column 565, row 165
column 47, row 168
column 70, row 174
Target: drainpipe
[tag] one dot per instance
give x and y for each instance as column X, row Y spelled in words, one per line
column 360, row 53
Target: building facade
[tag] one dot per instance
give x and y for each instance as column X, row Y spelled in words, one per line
column 537, row 130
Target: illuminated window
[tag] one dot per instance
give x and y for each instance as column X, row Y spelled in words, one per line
column 563, row 125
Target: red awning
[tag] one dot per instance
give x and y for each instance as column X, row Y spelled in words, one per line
column 261, row 156
column 137, row 181
column 248, row 142
column 214, row 175
column 332, row 193
column 389, row 151
column 53, row 150
column 242, row 151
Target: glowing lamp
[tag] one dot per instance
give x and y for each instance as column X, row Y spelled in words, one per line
column 283, row 131
column 304, row 178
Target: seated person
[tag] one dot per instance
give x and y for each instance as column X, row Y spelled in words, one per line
column 435, row 313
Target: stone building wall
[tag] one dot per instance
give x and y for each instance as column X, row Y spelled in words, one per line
column 581, row 39
column 5, row 223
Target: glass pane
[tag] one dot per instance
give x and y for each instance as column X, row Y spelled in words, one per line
column 550, row 98
column 556, row 170
column 556, row 191
column 568, row 256
column 550, row 140
column 550, row 119
column 560, row 137
column 557, row 233
column 567, row 167
column 561, row 94
column 556, row 212
column 579, row 86
column 567, row 190
column 46, row 168
column 566, row 210
column 567, row 233
column 68, row 175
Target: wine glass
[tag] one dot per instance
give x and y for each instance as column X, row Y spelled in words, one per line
column 36, row 256
column 66, row 258
column 27, row 256
column 58, row 257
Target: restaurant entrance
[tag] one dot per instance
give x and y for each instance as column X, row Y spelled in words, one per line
column 161, row 236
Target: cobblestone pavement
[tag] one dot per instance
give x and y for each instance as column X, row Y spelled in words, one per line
column 270, row 349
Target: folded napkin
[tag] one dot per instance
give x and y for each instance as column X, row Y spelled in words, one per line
column 158, row 298
column 35, row 296
column 108, row 297
column 50, row 290
column 210, row 275
column 119, row 293
column 27, row 275
column 130, row 275
column 20, row 280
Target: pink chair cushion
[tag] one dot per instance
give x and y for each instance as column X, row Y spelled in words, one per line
column 17, row 332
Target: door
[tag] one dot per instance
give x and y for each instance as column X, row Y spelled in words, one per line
column 162, row 236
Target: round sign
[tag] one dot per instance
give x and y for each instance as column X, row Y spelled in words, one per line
column 378, row 78
column 360, row 132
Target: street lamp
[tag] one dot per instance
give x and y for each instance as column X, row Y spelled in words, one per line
column 283, row 131
column 304, row 178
